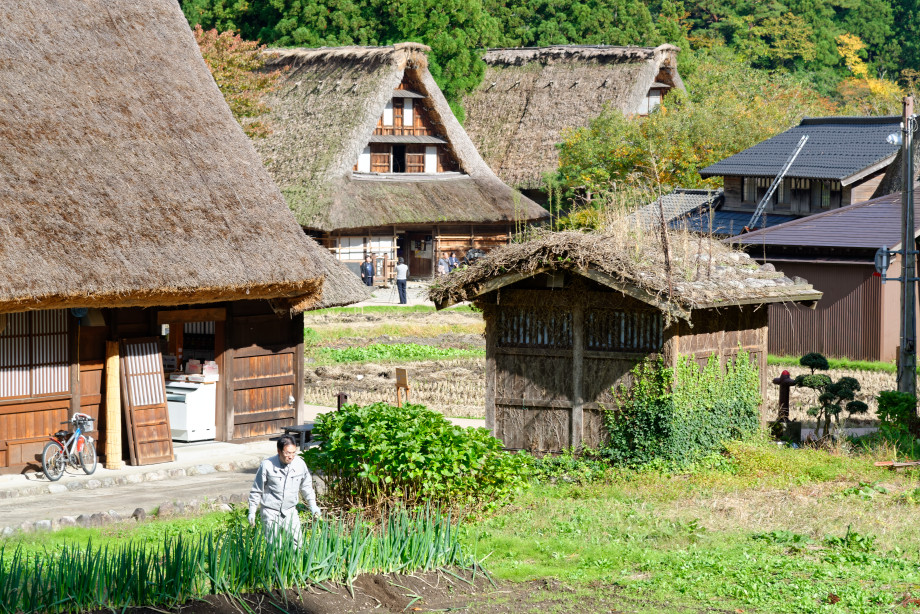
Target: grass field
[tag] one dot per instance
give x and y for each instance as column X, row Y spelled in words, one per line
column 769, row 530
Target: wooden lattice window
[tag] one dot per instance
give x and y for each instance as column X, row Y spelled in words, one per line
column 34, row 355
column 534, row 328
column 609, row 330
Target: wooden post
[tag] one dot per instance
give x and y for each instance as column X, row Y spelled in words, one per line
column 112, row 407
column 490, row 315
column 402, row 383
column 578, row 366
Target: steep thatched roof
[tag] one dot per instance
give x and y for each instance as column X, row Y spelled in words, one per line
column 704, row 273
column 529, row 96
column 324, row 114
column 124, row 179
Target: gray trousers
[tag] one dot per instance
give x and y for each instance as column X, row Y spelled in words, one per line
column 280, row 528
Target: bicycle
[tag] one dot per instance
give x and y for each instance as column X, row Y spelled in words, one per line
column 70, row 448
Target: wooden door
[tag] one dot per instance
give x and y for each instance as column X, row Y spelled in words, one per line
column 419, row 260
column 143, row 390
column 264, row 387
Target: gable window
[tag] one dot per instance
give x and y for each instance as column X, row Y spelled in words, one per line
column 34, row 354
column 388, row 113
column 652, row 99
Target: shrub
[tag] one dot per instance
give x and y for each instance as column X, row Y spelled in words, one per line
column 833, row 397
column 677, row 416
column 376, row 456
column 897, row 412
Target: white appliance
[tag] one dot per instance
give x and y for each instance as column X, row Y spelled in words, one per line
column 191, row 407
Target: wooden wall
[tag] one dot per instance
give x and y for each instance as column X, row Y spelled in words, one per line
column 848, row 321
column 261, row 371
column 553, row 355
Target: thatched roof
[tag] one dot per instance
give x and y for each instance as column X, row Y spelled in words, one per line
column 124, row 179
column 324, row 114
column 529, row 96
column 705, row 273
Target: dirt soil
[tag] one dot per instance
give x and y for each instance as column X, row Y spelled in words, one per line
column 455, row 387
column 428, row 592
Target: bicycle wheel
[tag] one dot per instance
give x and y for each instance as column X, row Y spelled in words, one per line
column 88, row 457
column 53, row 461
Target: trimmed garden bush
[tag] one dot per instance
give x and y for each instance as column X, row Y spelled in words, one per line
column 379, row 455
column 676, row 416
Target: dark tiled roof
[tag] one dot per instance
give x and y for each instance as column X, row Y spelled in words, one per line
column 837, row 148
column 727, row 223
column 870, row 224
column 677, row 204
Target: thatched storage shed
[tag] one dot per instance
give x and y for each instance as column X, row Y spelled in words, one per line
column 529, row 96
column 373, row 162
column 568, row 315
column 130, row 199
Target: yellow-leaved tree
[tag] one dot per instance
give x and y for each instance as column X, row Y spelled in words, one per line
column 862, row 93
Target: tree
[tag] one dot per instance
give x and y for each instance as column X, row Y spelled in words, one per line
column 454, row 29
column 235, row 65
column 865, row 94
column 833, row 398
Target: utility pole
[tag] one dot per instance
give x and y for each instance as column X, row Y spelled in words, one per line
column 907, row 371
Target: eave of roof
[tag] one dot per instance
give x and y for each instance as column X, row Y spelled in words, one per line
column 838, row 148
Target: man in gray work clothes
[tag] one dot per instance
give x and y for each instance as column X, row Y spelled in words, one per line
column 279, row 482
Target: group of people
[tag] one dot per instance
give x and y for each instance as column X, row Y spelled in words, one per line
column 445, row 266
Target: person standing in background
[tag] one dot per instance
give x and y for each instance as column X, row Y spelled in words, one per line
column 367, row 272
column 452, row 262
column 402, row 276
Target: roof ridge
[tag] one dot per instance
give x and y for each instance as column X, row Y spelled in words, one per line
column 865, row 120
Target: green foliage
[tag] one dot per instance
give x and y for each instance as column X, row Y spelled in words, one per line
column 832, row 397
column 814, row 361
column 897, row 413
column 569, row 468
column 380, row 455
column 540, row 23
column 454, row 29
column 678, row 416
column 394, row 351
column 864, row 490
column 232, row 562
column 838, row 363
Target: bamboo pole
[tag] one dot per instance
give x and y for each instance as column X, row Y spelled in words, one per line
column 112, row 407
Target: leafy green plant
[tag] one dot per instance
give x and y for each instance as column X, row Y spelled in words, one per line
column 832, row 397
column 796, row 542
column 680, row 415
column 851, row 540
column 379, row 455
column 569, row 468
column 395, row 351
column 864, row 490
column 897, row 413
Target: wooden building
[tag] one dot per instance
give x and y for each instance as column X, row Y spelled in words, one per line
column 844, row 161
column 529, row 96
column 373, row 162
column 130, row 200
column 858, row 316
column 569, row 315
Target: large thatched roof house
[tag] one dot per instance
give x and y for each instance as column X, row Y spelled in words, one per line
column 131, row 200
column 528, row 96
column 373, row 162
column 568, row 315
